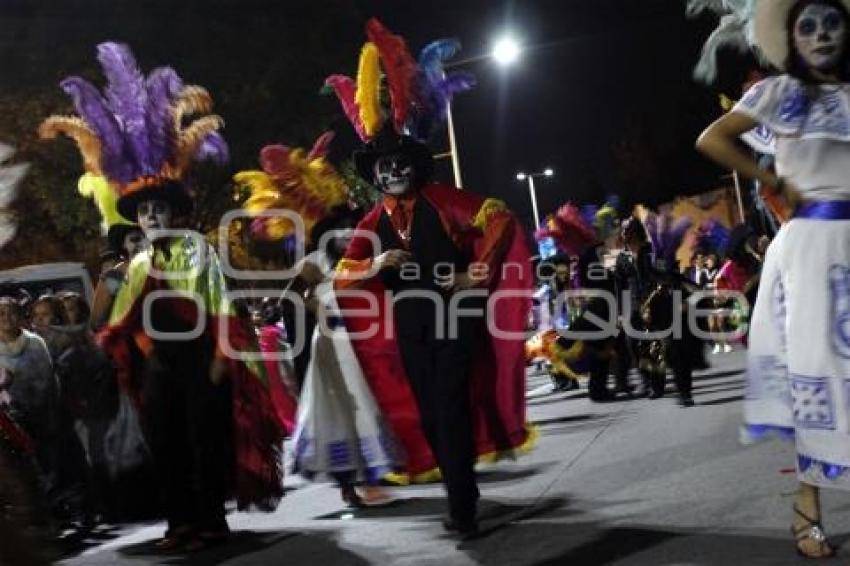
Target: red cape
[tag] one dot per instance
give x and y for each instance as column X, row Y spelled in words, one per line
column 498, row 373
column 258, row 430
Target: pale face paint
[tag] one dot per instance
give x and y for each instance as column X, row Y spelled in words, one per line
column 153, row 215
column 819, row 35
column 394, row 174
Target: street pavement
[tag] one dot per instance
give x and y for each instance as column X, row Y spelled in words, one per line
column 636, row 482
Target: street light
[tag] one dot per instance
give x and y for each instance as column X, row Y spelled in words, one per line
column 505, row 51
column 548, row 172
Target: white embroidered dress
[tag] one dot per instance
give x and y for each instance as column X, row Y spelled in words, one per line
column 799, row 357
column 340, row 433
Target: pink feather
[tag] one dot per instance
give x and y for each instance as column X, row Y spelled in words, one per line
column 322, row 146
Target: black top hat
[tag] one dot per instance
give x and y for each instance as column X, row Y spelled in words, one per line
column 154, row 188
column 388, row 142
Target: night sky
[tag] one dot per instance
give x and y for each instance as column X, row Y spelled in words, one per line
column 603, row 92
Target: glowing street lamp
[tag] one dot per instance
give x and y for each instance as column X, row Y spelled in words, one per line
column 548, row 172
column 506, row 51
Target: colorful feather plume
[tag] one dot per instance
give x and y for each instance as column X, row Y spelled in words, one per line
column 368, row 95
column 399, row 67
column 666, row 235
column 568, row 229
column 292, row 179
column 10, row 178
column 419, row 92
column 139, row 127
column 76, row 129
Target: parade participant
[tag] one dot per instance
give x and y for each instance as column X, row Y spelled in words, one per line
column 340, row 432
column 209, row 417
column 464, row 390
column 664, row 308
column 576, row 237
column 632, row 272
column 798, row 343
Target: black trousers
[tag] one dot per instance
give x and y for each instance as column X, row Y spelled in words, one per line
column 188, row 426
column 439, row 370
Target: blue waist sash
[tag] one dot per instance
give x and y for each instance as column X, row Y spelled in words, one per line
column 824, row 210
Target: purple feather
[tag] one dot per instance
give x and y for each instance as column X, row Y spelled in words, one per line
column 93, row 109
column 214, row 149
column 127, row 97
column 588, row 213
column 163, row 86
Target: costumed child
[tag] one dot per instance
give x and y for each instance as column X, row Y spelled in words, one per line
column 340, row 433
column 798, row 347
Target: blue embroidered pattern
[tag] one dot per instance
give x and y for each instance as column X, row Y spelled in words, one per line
column 778, row 309
column 768, row 379
column 839, row 287
column 813, row 405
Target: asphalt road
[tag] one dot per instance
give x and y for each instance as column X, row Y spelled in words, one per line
column 636, row 482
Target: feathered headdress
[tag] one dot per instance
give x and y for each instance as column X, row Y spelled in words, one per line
column 10, row 177
column 292, row 179
column 571, row 233
column 712, row 237
column 735, row 30
column 139, row 133
column 419, row 90
column 666, row 235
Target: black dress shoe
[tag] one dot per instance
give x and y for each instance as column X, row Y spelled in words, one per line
column 686, row 401
column 463, row 528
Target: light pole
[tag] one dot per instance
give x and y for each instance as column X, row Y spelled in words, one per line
column 505, row 51
column 548, row 172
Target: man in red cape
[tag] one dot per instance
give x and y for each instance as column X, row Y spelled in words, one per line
column 448, row 398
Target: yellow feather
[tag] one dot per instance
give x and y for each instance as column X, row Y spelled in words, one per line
column 368, row 89
column 76, row 129
column 192, row 99
column 189, row 140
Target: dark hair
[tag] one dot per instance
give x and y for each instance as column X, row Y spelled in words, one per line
column 794, row 64
column 57, row 309
column 6, row 299
column 82, row 304
column 271, row 311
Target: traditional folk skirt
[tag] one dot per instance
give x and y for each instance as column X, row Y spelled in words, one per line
column 798, row 376
column 340, row 433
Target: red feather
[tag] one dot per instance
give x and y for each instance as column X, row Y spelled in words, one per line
column 570, row 231
column 274, row 159
column 345, row 89
column 399, row 66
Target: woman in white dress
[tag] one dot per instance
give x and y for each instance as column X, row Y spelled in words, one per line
column 340, row 433
column 799, row 359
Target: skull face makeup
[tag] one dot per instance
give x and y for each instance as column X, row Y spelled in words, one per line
column 153, row 215
column 394, row 174
column 819, row 36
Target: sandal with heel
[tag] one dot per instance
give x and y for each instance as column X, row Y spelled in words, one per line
column 813, row 530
